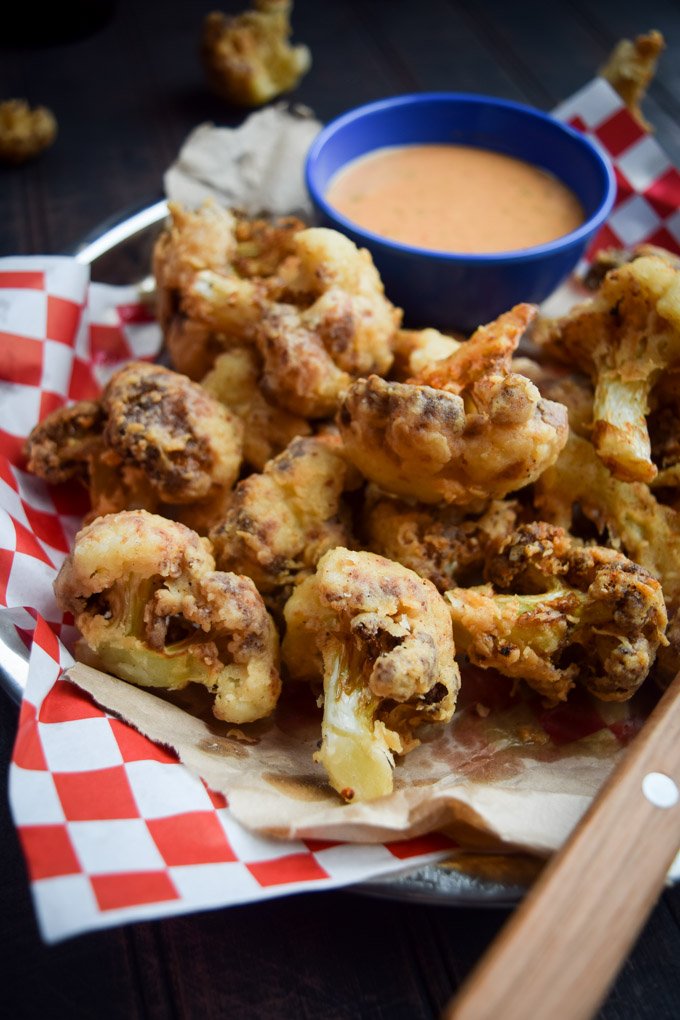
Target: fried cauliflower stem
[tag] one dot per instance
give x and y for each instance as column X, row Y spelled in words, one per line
column 556, row 611
column 465, row 428
column 214, row 270
column 625, row 338
column 24, row 131
column 630, row 69
column 149, row 603
column 153, row 438
column 279, row 523
column 380, row 638
column 247, row 58
column 268, row 429
column 447, row 545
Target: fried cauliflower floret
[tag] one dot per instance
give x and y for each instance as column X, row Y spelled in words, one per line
column 248, row 59
column 234, row 381
column 557, row 611
column 214, row 271
column 380, row 638
column 466, row 428
column 446, row 544
column 613, row 258
column 415, row 349
column 24, row 132
column 557, row 383
column 625, row 338
column 149, row 603
column 337, row 325
column 628, row 514
column 280, row 522
column 153, row 438
column 630, row 69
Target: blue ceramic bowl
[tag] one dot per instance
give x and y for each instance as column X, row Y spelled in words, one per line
column 459, row 291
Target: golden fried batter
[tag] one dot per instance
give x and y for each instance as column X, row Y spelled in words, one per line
column 148, row 601
column 557, row 611
column 61, row 446
column 247, row 58
column 466, row 428
column 415, row 349
column 625, row 338
column 281, row 521
column 444, row 544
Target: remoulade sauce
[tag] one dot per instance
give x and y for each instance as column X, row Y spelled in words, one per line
column 454, row 198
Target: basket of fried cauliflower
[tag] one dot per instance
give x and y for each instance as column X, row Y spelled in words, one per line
column 315, row 495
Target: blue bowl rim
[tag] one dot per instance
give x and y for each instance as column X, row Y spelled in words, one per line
column 575, row 237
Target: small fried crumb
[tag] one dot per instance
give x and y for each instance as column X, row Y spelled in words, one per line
column 24, row 132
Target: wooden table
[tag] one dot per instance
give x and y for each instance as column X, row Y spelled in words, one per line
column 125, row 97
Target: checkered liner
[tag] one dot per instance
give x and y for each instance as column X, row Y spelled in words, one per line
column 113, row 827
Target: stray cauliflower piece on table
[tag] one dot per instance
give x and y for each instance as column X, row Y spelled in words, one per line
column 380, row 638
column 247, row 58
column 214, row 270
column 24, row 132
column 445, row 544
column 556, row 611
column 625, row 337
column 149, row 603
column 630, row 69
column 464, row 429
column 234, row 381
column 280, row 522
column 154, row 437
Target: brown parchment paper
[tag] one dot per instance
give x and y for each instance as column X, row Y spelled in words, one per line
column 494, row 775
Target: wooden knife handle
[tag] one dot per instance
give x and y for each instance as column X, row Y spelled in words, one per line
column 558, row 954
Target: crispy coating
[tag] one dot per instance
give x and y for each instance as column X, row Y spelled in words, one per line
column 446, row 544
column 415, row 349
column 214, row 272
column 24, row 132
column 148, row 601
column 557, row 383
column 153, row 438
column 613, row 258
column 280, row 522
column 60, row 447
column 337, row 325
column 380, row 637
column 247, row 58
column 557, row 611
column 234, row 381
column 466, row 428
column 630, row 69
column 664, row 430
column 625, row 338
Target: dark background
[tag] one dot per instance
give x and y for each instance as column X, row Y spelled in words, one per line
column 126, row 93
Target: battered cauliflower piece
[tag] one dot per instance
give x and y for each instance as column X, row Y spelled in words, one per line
column 234, row 381
column 149, row 603
column 336, row 325
column 214, row 272
column 555, row 382
column 625, row 338
column 280, row 522
column 380, row 638
column 630, row 69
column 153, row 438
column 24, row 132
column 613, row 258
column 248, row 59
column 464, row 429
column 565, row 612
column 446, row 544
column 627, row 513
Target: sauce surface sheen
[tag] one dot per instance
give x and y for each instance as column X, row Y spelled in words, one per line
column 454, row 198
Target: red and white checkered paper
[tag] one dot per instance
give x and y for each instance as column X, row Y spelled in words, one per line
column 113, row 827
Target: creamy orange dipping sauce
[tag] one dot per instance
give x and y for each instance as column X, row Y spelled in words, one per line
column 454, row 198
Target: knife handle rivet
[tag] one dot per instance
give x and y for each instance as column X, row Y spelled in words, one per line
column 660, row 790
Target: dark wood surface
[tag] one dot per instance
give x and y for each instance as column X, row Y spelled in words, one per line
column 125, row 96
